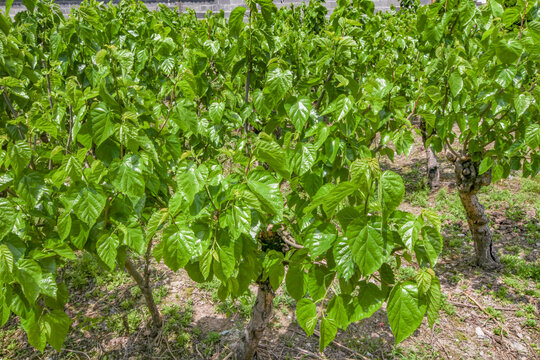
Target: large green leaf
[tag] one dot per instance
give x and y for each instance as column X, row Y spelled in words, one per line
column 89, row 204
column 8, row 216
column 236, row 21
column 179, row 246
column 278, row 83
column 303, row 158
column 299, row 112
column 102, row 123
column 405, row 310
column 106, row 248
column 392, row 192
column 56, row 326
column 127, row 176
column 19, row 154
column 367, row 246
column 328, row 332
column 306, row 314
column 271, row 153
column 319, row 239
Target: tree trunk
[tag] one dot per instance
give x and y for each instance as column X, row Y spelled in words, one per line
column 147, row 293
column 469, row 183
column 433, row 169
column 260, row 316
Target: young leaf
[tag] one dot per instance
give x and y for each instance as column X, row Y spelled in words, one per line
column 405, row 310
column 328, row 332
column 367, row 246
column 306, row 314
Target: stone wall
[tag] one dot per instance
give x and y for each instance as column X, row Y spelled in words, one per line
column 202, row 6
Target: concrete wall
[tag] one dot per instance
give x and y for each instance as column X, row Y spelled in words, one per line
column 202, row 6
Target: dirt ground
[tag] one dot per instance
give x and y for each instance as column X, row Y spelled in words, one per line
column 486, row 315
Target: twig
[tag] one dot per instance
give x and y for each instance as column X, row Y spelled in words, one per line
column 416, row 103
column 6, row 98
column 319, row 100
column 503, row 328
column 472, row 306
column 44, row 63
column 77, row 352
column 70, row 129
column 287, row 238
column 341, row 346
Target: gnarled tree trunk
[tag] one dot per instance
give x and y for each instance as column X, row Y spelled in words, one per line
column 469, row 183
column 260, row 316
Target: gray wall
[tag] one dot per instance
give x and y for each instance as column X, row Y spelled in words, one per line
column 202, row 6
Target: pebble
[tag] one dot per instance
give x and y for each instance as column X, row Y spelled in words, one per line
column 518, row 347
column 480, row 333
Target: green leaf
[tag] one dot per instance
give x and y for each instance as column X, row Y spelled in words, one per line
column 319, row 239
column 434, row 300
column 432, row 242
column 56, row 326
column 179, row 246
column 337, row 311
column 106, row 248
column 532, row 136
column 8, row 216
column 410, row 232
column 336, row 196
column 101, row 123
column 328, row 332
column 270, row 152
column 89, row 204
column 296, row 282
column 496, row 8
column 456, row 83
column 485, row 165
column 370, row 298
column 278, row 83
column 367, row 246
column 6, row 261
column 306, row 314
column 299, row 112
column 405, row 310
column 273, row 268
column 236, row 21
column 508, row 51
column 134, row 237
column 510, row 16
column 29, row 276
column 19, row 155
column 344, row 259
column 522, row 103
column 155, row 221
column 127, row 176
column 393, row 191
column 241, row 216
column 303, row 158
column 269, row 195
column 227, row 260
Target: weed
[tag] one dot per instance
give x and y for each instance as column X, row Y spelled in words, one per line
column 160, row 293
column 496, row 314
column 521, row 268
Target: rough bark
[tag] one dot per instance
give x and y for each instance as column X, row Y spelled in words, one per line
column 469, row 183
column 433, row 168
column 260, row 316
column 147, row 293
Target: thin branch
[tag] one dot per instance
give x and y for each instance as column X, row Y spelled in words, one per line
column 451, row 149
column 44, row 63
column 288, row 238
column 6, row 98
column 319, row 100
column 70, row 135
column 416, row 103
